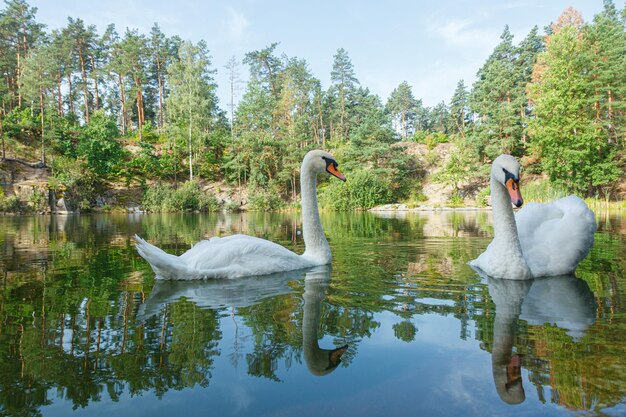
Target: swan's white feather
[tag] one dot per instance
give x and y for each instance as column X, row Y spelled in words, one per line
column 555, row 236
column 228, row 257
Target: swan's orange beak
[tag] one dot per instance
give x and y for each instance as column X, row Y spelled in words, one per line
column 332, row 169
column 514, row 192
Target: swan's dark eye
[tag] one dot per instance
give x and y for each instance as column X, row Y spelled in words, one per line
column 509, row 176
column 330, row 162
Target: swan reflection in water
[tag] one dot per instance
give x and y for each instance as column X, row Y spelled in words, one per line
column 564, row 301
column 244, row 292
column 319, row 361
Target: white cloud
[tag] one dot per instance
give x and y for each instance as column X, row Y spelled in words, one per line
column 237, row 24
column 462, row 33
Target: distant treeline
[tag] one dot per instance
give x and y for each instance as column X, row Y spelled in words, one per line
column 142, row 108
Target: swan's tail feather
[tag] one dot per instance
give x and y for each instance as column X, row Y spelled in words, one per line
column 163, row 264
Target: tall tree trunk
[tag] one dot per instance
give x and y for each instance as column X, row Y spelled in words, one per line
column 139, row 114
column 41, row 115
column 70, row 100
column 343, row 109
column 84, row 77
column 160, row 84
column 59, row 95
column 96, row 104
column 18, row 74
column 190, row 155
column 123, row 103
column 2, row 113
column 140, row 109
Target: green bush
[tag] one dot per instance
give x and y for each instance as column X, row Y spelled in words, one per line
column 542, row 191
column 262, row 200
column 38, row 201
column 155, row 196
column 482, row 197
column 10, row 204
column 363, row 190
column 455, row 199
column 189, row 197
column 99, row 145
column 74, row 181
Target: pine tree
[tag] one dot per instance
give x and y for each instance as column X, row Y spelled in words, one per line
column 192, row 102
column 401, row 105
column 344, row 84
column 605, row 44
column 38, row 81
column 82, row 41
column 459, row 109
column 18, row 33
column 497, row 127
column 134, row 57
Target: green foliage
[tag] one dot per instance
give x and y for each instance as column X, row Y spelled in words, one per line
column 430, row 139
column 482, row 197
column 264, row 200
column 38, row 200
column 20, row 124
column 455, row 199
column 363, row 190
column 405, row 331
column 99, row 145
column 64, row 135
column 567, row 133
column 74, row 181
column 142, row 165
column 189, row 197
column 11, row 204
column 542, row 191
column 459, row 168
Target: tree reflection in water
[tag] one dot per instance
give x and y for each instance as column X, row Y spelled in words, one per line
column 82, row 319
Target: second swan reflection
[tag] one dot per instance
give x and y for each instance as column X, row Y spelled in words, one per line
column 564, row 301
column 245, row 292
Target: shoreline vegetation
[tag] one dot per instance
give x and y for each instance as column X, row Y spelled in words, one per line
column 131, row 122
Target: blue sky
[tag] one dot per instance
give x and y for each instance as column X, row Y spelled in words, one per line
column 429, row 44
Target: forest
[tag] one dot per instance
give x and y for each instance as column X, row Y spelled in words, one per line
column 130, row 109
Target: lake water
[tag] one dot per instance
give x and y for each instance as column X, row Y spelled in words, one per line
column 86, row 330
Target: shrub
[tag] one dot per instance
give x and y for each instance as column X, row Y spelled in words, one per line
column 99, row 145
column 38, row 201
column 11, row 204
column 74, row 181
column 189, row 197
column 455, row 199
column 363, row 190
column 264, row 200
column 482, row 197
column 155, row 196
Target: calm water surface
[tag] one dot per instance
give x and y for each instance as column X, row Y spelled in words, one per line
column 86, row 330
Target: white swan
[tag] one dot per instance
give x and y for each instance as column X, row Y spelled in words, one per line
column 240, row 255
column 542, row 240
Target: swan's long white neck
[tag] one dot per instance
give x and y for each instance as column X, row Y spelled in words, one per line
column 506, row 245
column 316, row 246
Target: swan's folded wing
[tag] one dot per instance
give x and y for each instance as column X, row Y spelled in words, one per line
column 240, row 255
column 556, row 236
